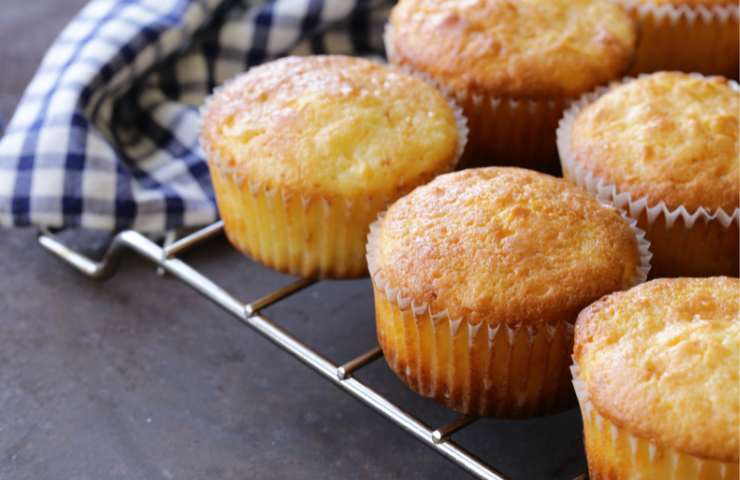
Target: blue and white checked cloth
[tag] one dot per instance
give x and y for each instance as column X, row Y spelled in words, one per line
column 106, row 135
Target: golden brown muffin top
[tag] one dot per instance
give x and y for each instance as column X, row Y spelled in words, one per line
column 514, row 48
column 669, row 137
column 331, row 125
column 503, row 245
column 661, row 360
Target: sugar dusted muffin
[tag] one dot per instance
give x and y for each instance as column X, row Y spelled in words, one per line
column 656, row 372
column 664, row 148
column 513, row 66
column 686, row 35
column 305, row 151
column 478, row 277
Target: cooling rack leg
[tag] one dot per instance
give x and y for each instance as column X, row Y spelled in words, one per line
column 130, row 239
column 99, row 270
column 169, row 239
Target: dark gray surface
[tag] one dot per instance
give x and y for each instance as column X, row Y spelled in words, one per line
column 139, row 378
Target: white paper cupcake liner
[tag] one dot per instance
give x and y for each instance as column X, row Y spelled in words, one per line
column 507, row 371
column 683, row 37
column 621, row 199
column 674, row 13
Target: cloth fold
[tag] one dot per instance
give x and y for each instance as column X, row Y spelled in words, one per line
column 106, row 134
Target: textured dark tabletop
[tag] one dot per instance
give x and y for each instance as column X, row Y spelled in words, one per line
column 139, row 378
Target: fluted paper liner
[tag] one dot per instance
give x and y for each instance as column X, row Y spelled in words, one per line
column 655, row 217
column 614, row 452
column 503, row 131
column 498, row 370
column 702, row 38
column 297, row 233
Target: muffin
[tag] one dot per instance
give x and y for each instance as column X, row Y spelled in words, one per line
column 305, row 151
column 656, row 373
column 478, row 277
column 687, row 35
column 512, row 66
column 664, row 148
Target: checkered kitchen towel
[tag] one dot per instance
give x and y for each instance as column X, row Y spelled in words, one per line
column 106, row 135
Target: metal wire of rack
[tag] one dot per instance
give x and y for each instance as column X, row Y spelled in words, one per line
column 249, row 314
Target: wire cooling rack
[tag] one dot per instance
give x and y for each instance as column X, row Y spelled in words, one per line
column 165, row 258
